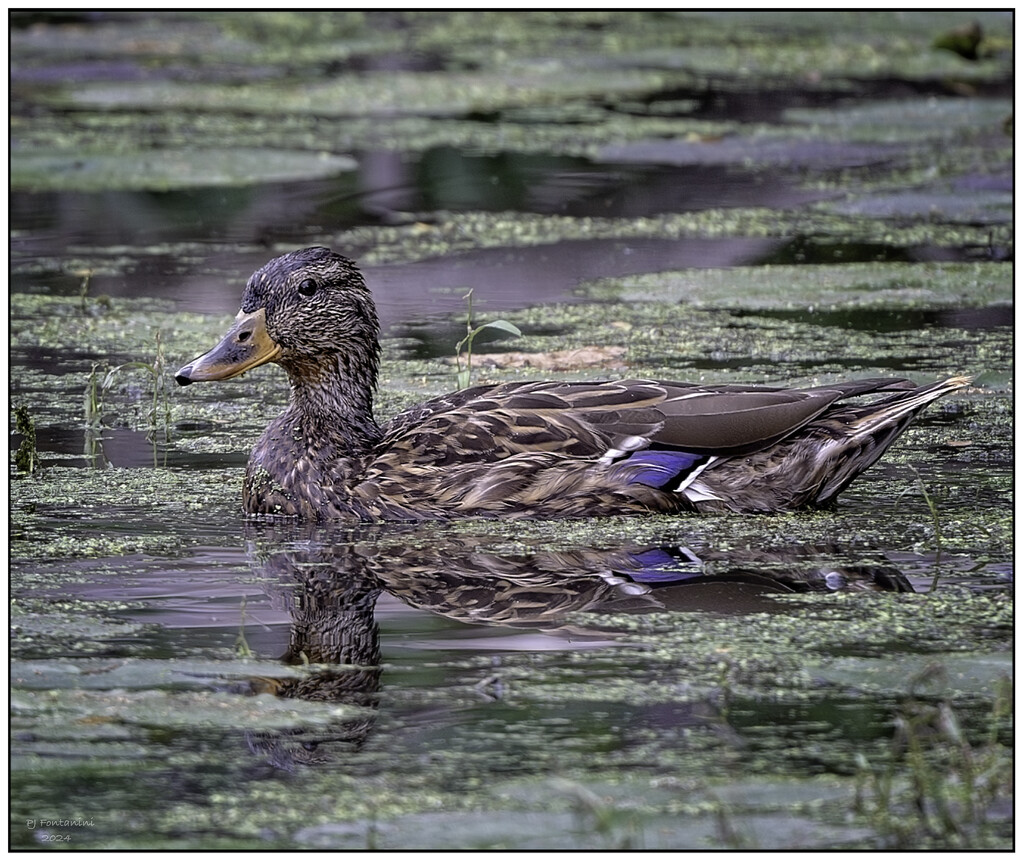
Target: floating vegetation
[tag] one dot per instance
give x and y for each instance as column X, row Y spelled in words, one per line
column 166, row 169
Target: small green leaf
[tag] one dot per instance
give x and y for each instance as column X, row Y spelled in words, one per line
column 109, row 379
column 503, row 325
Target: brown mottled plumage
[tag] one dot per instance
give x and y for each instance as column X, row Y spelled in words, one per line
column 541, row 449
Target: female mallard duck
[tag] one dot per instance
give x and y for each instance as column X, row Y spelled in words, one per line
column 537, row 449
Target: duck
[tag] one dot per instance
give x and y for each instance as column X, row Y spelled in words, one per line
column 537, row 449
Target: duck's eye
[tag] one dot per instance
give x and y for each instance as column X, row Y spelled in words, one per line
column 307, row 287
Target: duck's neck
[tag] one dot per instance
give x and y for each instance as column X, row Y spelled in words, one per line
column 334, row 398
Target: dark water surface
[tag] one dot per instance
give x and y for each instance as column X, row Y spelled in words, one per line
column 215, row 222
column 184, row 679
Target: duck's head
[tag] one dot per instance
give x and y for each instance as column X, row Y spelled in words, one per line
column 309, row 311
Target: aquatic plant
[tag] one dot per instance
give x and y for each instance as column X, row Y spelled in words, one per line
column 936, row 523
column 935, row 788
column 83, row 290
column 463, row 374
column 93, row 401
column 242, row 648
column 95, row 391
column 600, row 821
column 27, row 457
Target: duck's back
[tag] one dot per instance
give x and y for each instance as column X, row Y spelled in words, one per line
column 577, row 449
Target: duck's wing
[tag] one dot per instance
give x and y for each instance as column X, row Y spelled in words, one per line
column 491, row 423
column 733, row 420
column 607, row 420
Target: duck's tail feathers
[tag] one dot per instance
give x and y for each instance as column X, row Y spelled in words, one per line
column 863, row 433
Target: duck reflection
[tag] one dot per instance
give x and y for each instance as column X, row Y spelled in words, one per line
column 329, row 582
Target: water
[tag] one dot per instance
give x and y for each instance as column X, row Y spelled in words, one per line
column 180, row 678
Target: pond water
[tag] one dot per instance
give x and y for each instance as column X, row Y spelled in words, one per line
column 181, row 678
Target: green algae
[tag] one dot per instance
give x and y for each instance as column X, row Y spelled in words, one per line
column 92, row 132
column 431, row 774
column 186, row 674
column 454, row 233
column 947, row 120
column 164, row 169
column 822, row 287
column 596, row 805
column 744, row 44
column 48, row 511
column 613, row 62
column 155, row 709
column 41, row 627
column 609, row 821
column 384, row 93
column 451, row 233
column 672, row 328
column 115, row 332
column 709, row 661
column 963, row 675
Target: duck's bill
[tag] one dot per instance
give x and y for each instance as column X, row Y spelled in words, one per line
column 246, row 345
